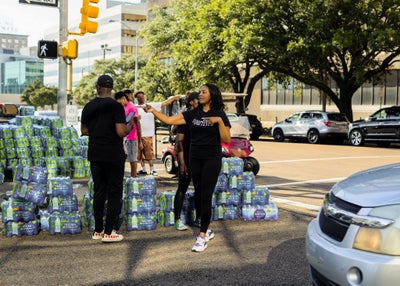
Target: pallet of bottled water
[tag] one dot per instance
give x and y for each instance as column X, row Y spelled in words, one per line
column 140, row 203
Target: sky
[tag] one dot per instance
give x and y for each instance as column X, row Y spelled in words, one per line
column 33, row 20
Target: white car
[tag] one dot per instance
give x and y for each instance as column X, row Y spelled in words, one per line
column 313, row 125
column 355, row 239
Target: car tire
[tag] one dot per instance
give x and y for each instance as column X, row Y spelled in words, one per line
column 278, row 135
column 169, row 164
column 254, row 137
column 356, row 138
column 313, row 136
column 251, row 165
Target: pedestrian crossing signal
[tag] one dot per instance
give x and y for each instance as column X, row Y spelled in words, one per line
column 47, row 49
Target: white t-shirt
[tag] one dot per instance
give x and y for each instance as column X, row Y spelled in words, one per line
column 147, row 120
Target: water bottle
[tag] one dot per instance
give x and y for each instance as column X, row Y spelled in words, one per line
column 247, row 197
column 134, row 222
column 171, row 218
column 135, row 187
column 225, row 167
column 57, row 225
column 222, row 197
column 55, row 206
column 134, row 206
column 220, row 212
column 10, row 212
column 234, row 183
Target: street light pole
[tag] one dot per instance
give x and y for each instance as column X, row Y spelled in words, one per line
column 104, row 48
column 136, row 60
column 136, row 49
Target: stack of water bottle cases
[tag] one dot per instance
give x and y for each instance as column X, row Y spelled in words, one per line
column 235, row 197
column 138, row 207
column 42, row 156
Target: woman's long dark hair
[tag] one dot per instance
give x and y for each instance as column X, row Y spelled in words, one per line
column 216, row 97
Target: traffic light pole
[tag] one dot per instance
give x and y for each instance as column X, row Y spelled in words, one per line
column 62, row 65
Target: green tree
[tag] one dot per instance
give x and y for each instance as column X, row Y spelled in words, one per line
column 349, row 42
column 38, row 95
column 121, row 70
column 197, row 37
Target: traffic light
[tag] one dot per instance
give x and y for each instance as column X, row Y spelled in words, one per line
column 70, row 49
column 88, row 12
column 47, row 49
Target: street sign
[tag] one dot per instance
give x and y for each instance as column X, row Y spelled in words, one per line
column 47, row 49
column 71, row 115
column 53, row 3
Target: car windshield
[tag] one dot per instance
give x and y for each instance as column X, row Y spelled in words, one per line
column 293, row 117
column 240, row 125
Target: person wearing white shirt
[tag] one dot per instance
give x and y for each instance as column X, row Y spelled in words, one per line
column 148, row 130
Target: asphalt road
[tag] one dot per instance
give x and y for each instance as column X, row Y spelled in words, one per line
column 242, row 253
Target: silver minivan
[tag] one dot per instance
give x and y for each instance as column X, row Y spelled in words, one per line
column 355, row 239
column 312, row 125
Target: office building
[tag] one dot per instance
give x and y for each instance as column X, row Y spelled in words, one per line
column 116, row 36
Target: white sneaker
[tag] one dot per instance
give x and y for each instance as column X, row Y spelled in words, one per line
column 97, row 235
column 113, row 237
column 200, row 244
column 153, row 173
column 209, row 234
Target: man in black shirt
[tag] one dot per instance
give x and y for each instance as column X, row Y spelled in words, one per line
column 103, row 120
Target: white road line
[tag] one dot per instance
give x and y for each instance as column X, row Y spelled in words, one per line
column 303, row 182
column 329, row 159
column 296, row 204
column 299, row 204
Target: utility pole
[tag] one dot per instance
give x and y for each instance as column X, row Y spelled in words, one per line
column 62, row 65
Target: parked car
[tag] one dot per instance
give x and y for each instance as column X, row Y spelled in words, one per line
column 312, row 125
column 382, row 127
column 355, row 239
column 256, row 126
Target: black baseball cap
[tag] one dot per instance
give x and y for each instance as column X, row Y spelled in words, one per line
column 105, row 81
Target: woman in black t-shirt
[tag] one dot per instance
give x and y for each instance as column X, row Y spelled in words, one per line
column 208, row 126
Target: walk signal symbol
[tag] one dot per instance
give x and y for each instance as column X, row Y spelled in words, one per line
column 47, row 49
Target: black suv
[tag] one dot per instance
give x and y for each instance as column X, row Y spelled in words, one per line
column 256, row 126
column 382, row 127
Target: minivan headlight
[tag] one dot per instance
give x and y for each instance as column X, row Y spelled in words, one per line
column 381, row 240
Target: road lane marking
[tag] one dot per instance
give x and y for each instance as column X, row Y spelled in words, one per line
column 303, row 182
column 296, row 204
column 329, row 159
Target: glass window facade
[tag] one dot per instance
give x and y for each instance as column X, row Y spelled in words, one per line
column 18, row 74
column 384, row 91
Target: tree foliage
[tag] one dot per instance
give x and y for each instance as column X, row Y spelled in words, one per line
column 196, row 36
column 121, row 70
column 333, row 45
column 349, row 42
column 37, row 95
